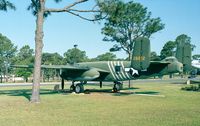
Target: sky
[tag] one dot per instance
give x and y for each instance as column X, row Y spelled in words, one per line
column 62, row 30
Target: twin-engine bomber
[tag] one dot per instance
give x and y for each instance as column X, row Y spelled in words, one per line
column 115, row 71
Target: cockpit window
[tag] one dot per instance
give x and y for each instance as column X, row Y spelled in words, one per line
column 117, row 69
column 170, row 59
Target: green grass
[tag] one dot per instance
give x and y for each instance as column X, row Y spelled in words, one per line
column 101, row 107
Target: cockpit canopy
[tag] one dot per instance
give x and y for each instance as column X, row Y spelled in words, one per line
column 170, row 59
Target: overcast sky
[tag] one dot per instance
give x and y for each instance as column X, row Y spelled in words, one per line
column 63, row 30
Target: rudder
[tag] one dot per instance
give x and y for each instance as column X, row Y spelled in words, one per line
column 141, row 54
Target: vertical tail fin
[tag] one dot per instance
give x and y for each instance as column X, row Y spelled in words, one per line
column 141, row 54
column 184, row 54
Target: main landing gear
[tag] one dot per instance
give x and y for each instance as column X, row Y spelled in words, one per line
column 117, row 86
column 78, row 88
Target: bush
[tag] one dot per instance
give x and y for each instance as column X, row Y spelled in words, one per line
column 191, row 88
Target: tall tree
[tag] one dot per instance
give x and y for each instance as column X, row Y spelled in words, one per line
column 155, row 57
column 25, row 56
column 40, row 10
column 7, row 52
column 51, row 59
column 126, row 22
column 5, row 5
column 168, row 49
column 106, row 57
column 75, row 55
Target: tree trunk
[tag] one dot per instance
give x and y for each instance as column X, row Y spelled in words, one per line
column 6, row 74
column 129, row 58
column 1, row 78
column 35, row 98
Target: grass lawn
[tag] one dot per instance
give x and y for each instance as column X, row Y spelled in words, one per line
column 167, row 105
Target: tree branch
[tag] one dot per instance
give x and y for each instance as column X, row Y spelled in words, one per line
column 66, row 8
column 84, row 10
column 95, row 19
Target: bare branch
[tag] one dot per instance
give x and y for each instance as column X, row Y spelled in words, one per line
column 84, row 10
column 66, row 8
column 75, row 12
column 95, row 19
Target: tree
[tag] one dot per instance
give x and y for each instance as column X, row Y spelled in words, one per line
column 25, row 56
column 126, row 22
column 40, row 10
column 51, row 59
column 155, row 57
column 7, row 52
column 4, row 5
column 106, row 57
column 75, row 55
column 168, row 49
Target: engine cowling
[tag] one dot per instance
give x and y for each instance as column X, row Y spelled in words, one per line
column 90, row 74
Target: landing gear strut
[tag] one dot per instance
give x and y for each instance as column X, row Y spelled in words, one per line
column 62, row 84
column 100, row 84
column 72, row 87
column 117, row 86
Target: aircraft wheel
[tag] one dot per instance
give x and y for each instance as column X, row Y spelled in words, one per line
column 79, row 88
column 117, row 87
column 72, row 88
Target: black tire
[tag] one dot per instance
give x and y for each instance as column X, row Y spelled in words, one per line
column 117, row 87
column 114, row 89
column 79, row 88
column 72, row 88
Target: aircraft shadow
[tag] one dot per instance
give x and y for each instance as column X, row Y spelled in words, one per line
column 136, row 93
column 26, row 92
column 123, row 92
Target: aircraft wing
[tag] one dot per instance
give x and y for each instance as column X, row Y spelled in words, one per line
column 73, row 72
column 70, row 67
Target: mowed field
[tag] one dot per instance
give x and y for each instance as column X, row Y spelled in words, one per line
column 151, row 104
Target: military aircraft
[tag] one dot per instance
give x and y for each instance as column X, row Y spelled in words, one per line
column 196, row 64
column 116, row 71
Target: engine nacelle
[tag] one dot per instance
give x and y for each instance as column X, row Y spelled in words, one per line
column 90, row 74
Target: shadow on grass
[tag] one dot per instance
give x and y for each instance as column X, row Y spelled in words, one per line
column 148, row 92
column 26, row 92
column 137, row 93
column 123, row 92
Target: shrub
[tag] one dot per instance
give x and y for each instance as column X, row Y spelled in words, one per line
column 191, row 88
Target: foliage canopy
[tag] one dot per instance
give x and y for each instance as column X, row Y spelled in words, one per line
column 126, row 22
